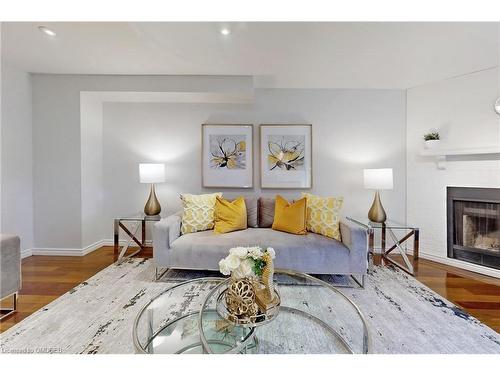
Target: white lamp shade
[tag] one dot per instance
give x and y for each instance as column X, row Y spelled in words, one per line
column 378, row 179
column 150, row 173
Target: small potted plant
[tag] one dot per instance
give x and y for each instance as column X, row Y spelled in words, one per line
column 431, row 140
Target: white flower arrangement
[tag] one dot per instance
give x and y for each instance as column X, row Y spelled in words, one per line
column 245, row 261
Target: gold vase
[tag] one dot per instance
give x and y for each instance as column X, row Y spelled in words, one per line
column 152, row 206
column 377, row 212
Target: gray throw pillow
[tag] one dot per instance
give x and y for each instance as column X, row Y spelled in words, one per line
column 266, row 212
column 251, row 203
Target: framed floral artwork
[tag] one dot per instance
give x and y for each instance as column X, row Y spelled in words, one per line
column 227, row 156
column 286, row 156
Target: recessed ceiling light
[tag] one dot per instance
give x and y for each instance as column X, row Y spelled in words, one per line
column 225, row 31
column 46, row 31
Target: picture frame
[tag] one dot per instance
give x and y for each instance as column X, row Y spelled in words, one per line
column 285, row 156
column 227, row 155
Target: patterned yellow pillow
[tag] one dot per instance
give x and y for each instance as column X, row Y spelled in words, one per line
column 323, row 215
column 198, row 212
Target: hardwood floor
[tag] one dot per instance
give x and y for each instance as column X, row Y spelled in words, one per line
column 47, row 277
column 477, row 294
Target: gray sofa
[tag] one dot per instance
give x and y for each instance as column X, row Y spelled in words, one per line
column 311, row 253
column 10, row 270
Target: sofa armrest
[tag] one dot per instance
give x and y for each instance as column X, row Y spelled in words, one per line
column 165, row 232
column 355, row 238
column 10, row 265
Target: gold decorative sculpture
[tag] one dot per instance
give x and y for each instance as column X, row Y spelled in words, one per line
column 223, row 325
column 267, row 275
column 240, row 299
column 250, row 296
column 265, row 298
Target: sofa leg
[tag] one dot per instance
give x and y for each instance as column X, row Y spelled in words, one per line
column 8, row 312
column 361, row 282
column 159, row 272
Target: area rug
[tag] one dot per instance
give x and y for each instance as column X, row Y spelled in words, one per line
column 97, row 316
column 177, row 275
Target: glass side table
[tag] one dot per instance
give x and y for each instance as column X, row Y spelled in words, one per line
column 388, row 228
column 138, row 220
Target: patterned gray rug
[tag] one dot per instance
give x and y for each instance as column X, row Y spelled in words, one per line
column 174, row 275
column 97, row 316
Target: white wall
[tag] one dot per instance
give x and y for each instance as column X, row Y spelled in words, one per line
column 94, row 222
column 352, row 130
column 56, row 167
column 462, row 109
column 60, row 220
column 91, row 170
column 16, row 155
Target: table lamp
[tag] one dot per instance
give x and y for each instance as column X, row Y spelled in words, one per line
column 151, row 173
column 377, row 179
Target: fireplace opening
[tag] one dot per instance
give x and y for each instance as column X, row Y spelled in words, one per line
column 474, row 225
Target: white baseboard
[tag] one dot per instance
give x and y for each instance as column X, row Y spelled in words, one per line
column 92, row 247
column 461, row 264
column 26, row 253
column 54, row 251
column 67, row 251
column 57, row 251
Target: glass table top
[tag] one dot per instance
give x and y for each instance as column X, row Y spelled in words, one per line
column 392, row 224
column 139, row 216
column 314, row 317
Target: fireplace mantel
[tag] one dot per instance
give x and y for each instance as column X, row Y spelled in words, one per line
column 440, row 155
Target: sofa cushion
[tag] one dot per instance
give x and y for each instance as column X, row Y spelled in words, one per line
column 323, row 215
column 290, row 216
column 309, row 253
column 230, row 216
column 251, row 204
column 198, row 212
column 265, row 212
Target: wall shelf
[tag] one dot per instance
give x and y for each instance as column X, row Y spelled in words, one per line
column 440, row 154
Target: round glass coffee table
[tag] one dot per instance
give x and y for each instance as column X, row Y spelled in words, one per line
column 314, row 317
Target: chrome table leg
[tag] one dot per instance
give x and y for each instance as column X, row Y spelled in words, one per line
column 8, row 312
column 401, row 251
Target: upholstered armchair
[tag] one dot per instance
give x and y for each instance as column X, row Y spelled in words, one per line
column 10, row 271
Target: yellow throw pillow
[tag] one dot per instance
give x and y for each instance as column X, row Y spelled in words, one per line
column 323, row 215
column 230, row 216
column 198, row 212
column 290, row 217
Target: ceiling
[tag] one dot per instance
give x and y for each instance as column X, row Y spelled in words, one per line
column 287, row 54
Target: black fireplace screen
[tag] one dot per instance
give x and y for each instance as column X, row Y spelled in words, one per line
column 474, row 226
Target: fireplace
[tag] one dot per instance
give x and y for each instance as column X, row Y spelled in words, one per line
column 473, row 216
